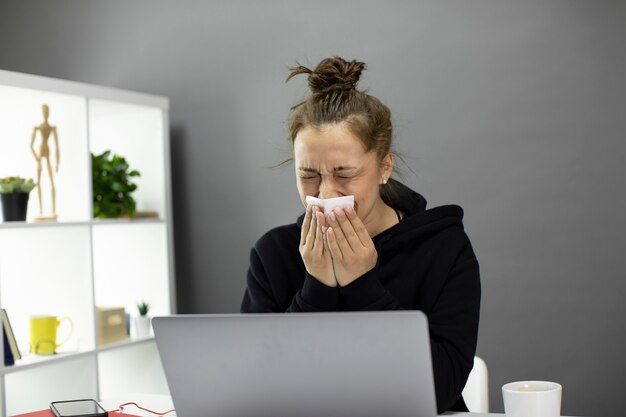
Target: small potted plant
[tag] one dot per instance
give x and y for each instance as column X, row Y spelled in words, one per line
column 14, row 192
column 112, row 186
column 142, row 322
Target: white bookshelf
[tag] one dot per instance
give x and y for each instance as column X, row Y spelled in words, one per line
column 68, row 267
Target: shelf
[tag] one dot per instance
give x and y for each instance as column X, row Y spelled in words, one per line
column 68, row 267
column 30, row 361
column 34, row 388
column 122, row 221
column 33, row 225
column 137, row 133
column 147, row 377
column 20, row 112
column 131, row 264
column 95, row 222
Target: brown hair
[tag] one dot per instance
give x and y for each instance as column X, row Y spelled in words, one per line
column 335, row 99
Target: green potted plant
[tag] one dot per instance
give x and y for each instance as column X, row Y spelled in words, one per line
column 143, row 307
column 112, row 186
column 14, row 192
column 142, row 322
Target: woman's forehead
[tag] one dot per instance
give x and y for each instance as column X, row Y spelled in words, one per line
column 328, row 141
column 331, row 157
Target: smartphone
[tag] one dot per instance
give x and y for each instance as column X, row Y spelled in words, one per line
column 78, row 408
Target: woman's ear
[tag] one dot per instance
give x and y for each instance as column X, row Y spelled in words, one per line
column 386, row 167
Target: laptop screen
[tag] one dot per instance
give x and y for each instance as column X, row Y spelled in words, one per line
column 305, row 364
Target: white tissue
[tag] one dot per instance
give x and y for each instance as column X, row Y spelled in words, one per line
column 329, row 204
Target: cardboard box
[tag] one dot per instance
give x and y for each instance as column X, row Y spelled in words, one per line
column 111, row 325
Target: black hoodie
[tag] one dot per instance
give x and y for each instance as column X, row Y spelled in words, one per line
column 425, row 262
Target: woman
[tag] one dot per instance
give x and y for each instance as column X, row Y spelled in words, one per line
column 387, row 253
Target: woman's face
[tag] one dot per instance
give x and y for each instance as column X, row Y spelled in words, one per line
column 331, row 162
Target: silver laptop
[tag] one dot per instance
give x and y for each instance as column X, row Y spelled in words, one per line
column 373, row 364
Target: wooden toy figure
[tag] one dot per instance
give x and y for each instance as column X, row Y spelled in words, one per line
column 45, row 129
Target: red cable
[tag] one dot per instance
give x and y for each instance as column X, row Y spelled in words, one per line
column 144, row 409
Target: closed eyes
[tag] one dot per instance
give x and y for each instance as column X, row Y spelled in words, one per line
column 339, row 172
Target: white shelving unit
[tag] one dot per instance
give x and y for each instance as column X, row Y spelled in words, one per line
column 68, row 267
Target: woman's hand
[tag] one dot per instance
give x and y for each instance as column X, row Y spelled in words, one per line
column 314, row 249
column 353, row 252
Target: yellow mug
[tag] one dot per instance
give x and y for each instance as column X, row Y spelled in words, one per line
column 43, row 334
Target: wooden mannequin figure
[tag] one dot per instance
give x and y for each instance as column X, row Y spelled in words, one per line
column 45, row 129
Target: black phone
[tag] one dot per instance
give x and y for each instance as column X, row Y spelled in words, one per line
column 78, row 408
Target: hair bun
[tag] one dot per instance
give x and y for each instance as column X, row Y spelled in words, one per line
column 332, row 74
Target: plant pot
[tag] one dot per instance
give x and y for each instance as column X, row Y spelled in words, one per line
column 142, row 326
column 14, row 206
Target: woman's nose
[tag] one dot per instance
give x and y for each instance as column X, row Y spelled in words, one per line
column 328, row 188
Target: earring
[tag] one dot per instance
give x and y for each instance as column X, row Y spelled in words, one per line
column 384, row 182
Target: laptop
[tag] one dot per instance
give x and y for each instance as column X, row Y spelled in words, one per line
column 365, row 364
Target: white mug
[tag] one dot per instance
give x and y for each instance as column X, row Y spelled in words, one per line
column 532, row 399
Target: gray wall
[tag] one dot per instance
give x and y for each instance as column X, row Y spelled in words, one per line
column 513, row 109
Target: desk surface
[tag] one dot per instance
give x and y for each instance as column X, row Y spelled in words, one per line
column 162, row 403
